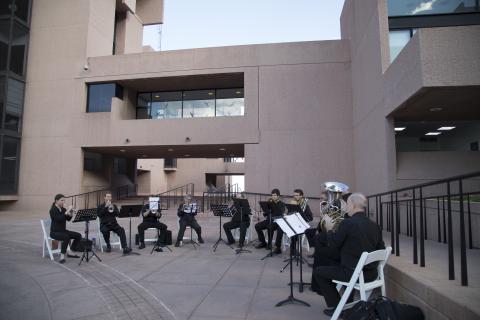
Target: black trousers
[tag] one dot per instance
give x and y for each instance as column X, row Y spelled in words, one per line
column 188, row 220
column 264, row 225
column 65, row 237
column 152, row 224
column 106, row 228
column 233, row 225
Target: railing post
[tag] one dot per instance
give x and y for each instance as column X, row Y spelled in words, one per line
column 463, row 245
column 381, row 214
column 392, row 231
column 444, row 221
column 376, row 209
column 397, row 224
column 438, row 220
column 470, row 237
column 425, row 220
column 422, row 231
column 451, row 265
column 414, row 227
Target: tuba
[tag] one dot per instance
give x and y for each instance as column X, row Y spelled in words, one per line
column 334, row 207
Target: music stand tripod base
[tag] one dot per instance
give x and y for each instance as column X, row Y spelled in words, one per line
column 220, row 210
column 86, row 215
column 158, row 246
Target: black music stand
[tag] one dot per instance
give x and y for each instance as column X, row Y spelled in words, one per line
column 220, row 210
column 298, row 256
column 157, row 246
column 268, row 211
column 244, row 206
column 193, row 206
column 129, row 211
column 86, row 215
column 290, row 230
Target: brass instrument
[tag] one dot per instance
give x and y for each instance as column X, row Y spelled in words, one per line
column 110, row 207
column 334, row 208
column 71, row 211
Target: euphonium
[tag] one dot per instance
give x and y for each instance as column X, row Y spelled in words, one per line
column 334, row 206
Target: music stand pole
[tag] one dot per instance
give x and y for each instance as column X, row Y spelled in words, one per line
column 240, row 250
column 130, row 233
column 270, row 234
column 215, row 245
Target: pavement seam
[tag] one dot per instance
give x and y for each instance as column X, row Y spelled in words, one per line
column 255, row 290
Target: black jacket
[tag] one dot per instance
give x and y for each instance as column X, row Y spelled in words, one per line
column 59, row 219
column 354, row 236
column 105, row 216
column 307, row 214
column 242, row 211
column 150, row 217
column 277, row 208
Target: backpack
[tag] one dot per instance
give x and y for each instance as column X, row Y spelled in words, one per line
column 383, row 308
column 362, row 310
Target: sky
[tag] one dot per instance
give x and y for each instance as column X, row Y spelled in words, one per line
column 213, row 23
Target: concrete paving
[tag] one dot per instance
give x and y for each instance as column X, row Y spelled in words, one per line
column 187, row 283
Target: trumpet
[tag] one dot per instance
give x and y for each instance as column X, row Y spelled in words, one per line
column 110, row 207
column 71, row 211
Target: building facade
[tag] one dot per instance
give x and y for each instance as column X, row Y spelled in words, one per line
column 300, row 114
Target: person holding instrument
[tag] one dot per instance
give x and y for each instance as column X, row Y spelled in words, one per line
column 240, row 219
column 186, row 212
column 107, row 212
column 277, row 209
column 58, row 229
column 151, row 220
column 305, row 212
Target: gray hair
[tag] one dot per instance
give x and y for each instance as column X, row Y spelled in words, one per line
column 357, row 200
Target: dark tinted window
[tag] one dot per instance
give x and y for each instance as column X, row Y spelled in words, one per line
column 13, row 112
column 4, row 37
column 5, row 7
column 92, row 161
column 18, row 49
column 9, row 162
column 422, row 7
column 21, row 9
column 100, row 96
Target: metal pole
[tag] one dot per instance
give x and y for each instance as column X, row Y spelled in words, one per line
column 414, row 229
column 438, row 220
column 397, row 223
column 470, row 237
column 451, row 265
column 463, row 244
column 422, row 231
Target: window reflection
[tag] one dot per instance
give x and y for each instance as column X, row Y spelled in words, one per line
column 4, row 36
column 18, row 49
column 166, row 105
column 230, row 102
column 427, row 7
column 199, row 104
column 398, row 39
column 9, row 165
column 14, row 108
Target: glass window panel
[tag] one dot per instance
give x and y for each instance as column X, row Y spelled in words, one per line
column 9, row 158
column 152, row 36
column 12, row 122
column 4, row 39
column 166, row 105
column 142, row 113
column 427, row 7
column 18, row 49
column 5, row 7
column 100, row 97
column 21, row 9
column 199, row 104
column 398, row 40
column 15, row 94
column 2, row 98
column 230, row 102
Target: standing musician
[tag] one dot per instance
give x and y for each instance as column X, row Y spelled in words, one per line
column 300, row 200
column 277, row 209
column 187, row 212
column 150, row 220
column 58, row 230
column 107, row 212
column 241, row 219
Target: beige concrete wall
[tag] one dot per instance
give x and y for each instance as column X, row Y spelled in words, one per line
column 154, row 182
column 150, row 11
column 129, row 34
column 101, row 22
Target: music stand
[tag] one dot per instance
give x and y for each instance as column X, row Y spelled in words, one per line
column 220, row 210
column 129, row 211
column 243, row 205
column 266, row 209
column 86, row 215
column 292, row 225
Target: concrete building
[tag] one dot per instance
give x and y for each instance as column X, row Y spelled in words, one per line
column 96, row 101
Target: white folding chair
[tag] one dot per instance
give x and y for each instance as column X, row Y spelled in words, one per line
column 248, row 234
column 154, row 239
column 184, row 234
column 47, row 240
column 114, row 238
column 357, row 280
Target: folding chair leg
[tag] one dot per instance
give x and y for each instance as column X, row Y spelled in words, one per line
column 49, row 247
column 342, row 303
column 43, row 248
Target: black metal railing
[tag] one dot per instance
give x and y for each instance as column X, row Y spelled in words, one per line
column 429, row 211
column 221, row 195
column 174, row 197
column 92, row 199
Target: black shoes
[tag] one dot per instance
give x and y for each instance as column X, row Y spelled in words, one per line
column 330, row 311
column 261, row 245
column 268, row 246
column 200, row 240
column 109, row 249
column 177, row 244
column 277, row 250
column 158, row 249
column 231, row 242
column 61, row 261
column 142, row 245
column 127, row 250
column 72, row 256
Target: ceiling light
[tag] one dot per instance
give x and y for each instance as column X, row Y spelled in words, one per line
column 222, row 149
column 432, row 133
column 144, row 155
column 122, row 150
column 170, row 149
column 210, row 93
column 445, row 128
column 238, row 92
column 187, row 155
column 436, row 109
column 157, row 96
column 232, row 155
column 400, row 128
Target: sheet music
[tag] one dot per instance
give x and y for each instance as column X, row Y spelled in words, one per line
column 153, row 203
column 292, row 224
column 190, row 208
column 300, row 218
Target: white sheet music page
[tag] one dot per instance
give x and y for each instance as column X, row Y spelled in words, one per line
column 285, row 227
column 305, row 223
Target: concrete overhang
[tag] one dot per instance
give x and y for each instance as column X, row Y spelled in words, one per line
column 171, row 151
column 438, row 68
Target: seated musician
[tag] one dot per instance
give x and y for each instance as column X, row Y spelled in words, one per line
column 187, row 212
column 241, row 219
column 107, row 213
column 353, row 236
column 151, row 220
column 300, row 200
column 277, row 209
column 58, row 230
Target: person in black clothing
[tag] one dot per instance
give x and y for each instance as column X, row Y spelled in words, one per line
column 107, row 212
column 277, row 209
column 186, row 212
column 150, row 220
column 353, row 236
column 58, row 230
column 242, row 213
column 300, row 200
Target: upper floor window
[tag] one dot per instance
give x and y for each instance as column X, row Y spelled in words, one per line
column 398, row 8
column 100, row 96
column 398, row 39
column 191, row 104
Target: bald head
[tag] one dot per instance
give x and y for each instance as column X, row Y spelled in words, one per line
column 356, row 202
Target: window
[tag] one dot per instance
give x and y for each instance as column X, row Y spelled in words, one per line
column 143, row 105
column 152, row 36
column 8, row 165
column 4, row 39
column 398, row 39
column 120, row 165
column 166, row 105
column 13, row 111
column 5, row 7
column 398, row 8
column 18, row 49
column 2, row 98
column 199, row 104
column 230, row 102
column 92, row 161
column 21, row 9
column 100, row 96
column 170, row 163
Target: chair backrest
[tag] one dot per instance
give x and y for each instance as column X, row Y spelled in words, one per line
column 45, row 226
column 380, row 256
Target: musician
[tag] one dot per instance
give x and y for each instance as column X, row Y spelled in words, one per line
column 300, row 200
column 151, row 220
column 277, row 209
column 107, row 213
column 186, row 212
column 241, row 219
column 58, row 230
column 353, row 236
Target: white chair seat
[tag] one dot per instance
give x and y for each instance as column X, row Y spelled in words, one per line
column 47, row 240
column 248, row 234
column 150, row 239
column 114, row 238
